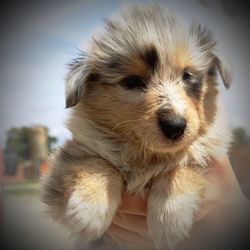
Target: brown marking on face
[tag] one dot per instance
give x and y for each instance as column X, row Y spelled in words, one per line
column 151, row 58
column 105, row 105
column 137, row 66
column 193, row 116
column 180, row 57
column 202, row 107
column 209, row 103
column 141, row 63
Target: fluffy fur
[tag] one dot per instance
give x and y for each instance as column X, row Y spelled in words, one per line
column 142, row 63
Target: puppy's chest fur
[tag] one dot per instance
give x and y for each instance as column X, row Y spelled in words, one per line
column 139, row 174
column 138, row 178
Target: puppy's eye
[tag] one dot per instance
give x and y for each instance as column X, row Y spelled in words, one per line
column 186, row 76
column 133, row 82
column 193, row 83
column 192, row 79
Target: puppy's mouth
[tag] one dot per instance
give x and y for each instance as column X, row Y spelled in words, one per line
column 163, row 136
column 171, row 137
column 158, row 142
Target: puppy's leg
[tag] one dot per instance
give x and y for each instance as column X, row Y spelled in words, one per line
column 84, row 195
column 172, row 201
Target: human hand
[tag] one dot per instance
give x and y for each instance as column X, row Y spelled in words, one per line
column 130, row 226
column 223, row 189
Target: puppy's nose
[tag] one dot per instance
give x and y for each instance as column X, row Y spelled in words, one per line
column 173, row 128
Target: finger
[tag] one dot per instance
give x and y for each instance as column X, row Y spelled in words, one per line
column 223, row 188
column 127, row 236
column 221, row 167
column 205, row 209
column 115, row 238
column 134, row 223
column 134, row 205
column 139, row 243
column 118, row 239
column 222, row 170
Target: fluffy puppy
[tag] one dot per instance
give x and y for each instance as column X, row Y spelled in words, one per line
column 145, row 118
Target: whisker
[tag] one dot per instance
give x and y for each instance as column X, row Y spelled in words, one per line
column 127, row 139
column 123, row 122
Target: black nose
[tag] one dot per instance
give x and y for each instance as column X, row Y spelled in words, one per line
column 173, row 128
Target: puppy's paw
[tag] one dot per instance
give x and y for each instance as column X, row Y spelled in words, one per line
column 89, row 217
column 170, row 220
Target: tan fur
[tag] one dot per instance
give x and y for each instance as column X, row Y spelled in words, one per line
column 183, row 187
column 117, row 143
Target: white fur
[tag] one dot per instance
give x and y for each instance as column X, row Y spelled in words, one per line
column 173, row 99
column 89, row 218
column 170, row 219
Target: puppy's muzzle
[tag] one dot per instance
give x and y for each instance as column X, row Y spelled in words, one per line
column 172, row 127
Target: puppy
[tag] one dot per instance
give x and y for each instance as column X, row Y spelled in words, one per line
column 145, row 118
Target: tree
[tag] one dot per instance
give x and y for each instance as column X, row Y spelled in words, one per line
column 26, row 143
column 51, row 141
column 18, row 142
column 239, row 137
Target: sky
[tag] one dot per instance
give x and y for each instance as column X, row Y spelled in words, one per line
column 39, row 39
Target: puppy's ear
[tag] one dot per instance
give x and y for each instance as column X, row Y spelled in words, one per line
column 76, row 79
column 223, row 71
column 204, row 39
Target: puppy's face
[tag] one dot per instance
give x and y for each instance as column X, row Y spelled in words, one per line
column 149, row 80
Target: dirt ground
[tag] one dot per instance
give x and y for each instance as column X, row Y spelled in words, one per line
column 26, row 226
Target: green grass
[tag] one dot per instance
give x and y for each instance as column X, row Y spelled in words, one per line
column 26, row 188
column 21, row 192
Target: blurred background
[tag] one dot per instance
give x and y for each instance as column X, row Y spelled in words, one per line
column 38, row 39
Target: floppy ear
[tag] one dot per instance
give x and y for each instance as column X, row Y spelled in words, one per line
column 204, row 39
column 75, row 82
column 223, row 71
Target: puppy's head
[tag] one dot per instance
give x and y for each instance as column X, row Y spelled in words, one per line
column 149, row 80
